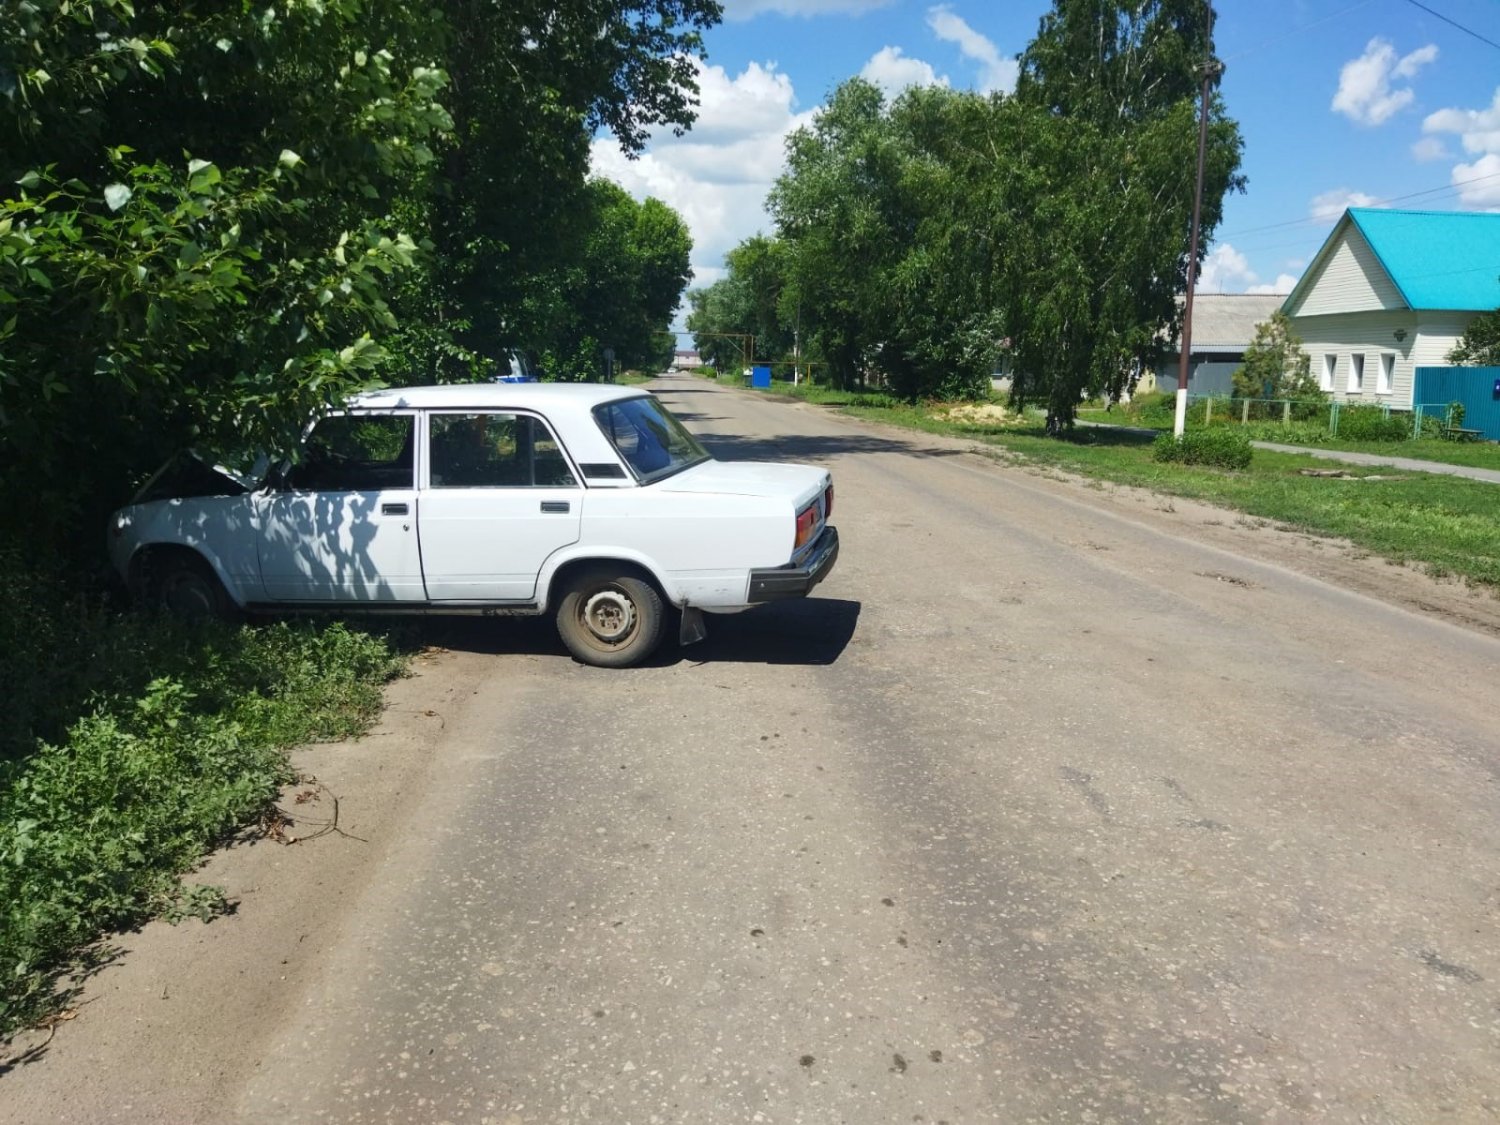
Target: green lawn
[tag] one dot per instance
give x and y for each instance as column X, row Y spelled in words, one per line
column 1446, row 524
column 1475, row 454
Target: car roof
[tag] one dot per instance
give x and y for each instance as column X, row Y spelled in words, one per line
column 536, row 396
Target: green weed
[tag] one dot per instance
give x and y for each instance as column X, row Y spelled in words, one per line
column 176, row 737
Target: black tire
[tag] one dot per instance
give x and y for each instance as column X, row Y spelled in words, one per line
column 184, row 586
column 610, row 621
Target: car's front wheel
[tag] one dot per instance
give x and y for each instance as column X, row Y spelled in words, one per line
column 609, row 620
column 185, row 587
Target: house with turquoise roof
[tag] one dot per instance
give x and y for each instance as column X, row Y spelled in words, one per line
column 1391, row 291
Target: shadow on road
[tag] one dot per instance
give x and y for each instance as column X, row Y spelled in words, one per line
column 801, row 447
column 694, row 416
column 810, row 631
column 807, row 631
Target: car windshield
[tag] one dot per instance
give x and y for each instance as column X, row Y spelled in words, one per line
column 653, row 443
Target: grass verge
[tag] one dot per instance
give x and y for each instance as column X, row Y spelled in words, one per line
column 132, row 746
column 1448, row 525
column 1474, row 454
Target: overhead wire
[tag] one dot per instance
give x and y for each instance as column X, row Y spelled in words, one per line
column 1453, row 23
column 1295, row 31
column 1444, row 190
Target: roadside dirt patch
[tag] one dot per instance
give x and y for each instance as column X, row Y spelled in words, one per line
column 981, row 413
column 178, row 993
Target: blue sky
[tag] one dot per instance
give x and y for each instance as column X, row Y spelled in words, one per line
column 1340, row 102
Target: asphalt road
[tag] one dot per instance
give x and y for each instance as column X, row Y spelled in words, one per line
column 1041, row 810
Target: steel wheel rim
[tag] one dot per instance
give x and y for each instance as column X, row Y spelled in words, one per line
column 609, row 616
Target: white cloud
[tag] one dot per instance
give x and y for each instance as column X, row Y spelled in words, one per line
column 1365, row 94
column 749, row 9
column 1478, row 131
column 1428, row 149
column 1479, row 183
column 1330, row 205
column 996, row 73
column 718, row 174
column 1224, row 270
column 893, row 71
column 1478, row 128
column 1283, row 284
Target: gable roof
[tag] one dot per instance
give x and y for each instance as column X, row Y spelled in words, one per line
column 1435, row 259
column 1226, row 322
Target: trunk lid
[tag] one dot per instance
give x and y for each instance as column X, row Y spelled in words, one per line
column 798, row 483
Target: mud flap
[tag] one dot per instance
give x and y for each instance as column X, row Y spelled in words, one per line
column 691, row 631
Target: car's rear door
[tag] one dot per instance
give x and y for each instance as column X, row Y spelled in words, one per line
column 499, row 497
column 342, row 528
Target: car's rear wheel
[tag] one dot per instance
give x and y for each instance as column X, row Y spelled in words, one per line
column 184, row 586
column 610, row 620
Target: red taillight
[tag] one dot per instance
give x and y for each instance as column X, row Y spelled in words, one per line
column 807, row 521
column 828, row 503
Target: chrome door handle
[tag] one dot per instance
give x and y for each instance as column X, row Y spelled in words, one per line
column 393, row 509
column 556, row 506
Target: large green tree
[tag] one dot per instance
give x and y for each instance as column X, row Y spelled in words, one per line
column 531, row 82
column 223, row 214
column 720, row 318
column 1101, row 182
column 619, row 293
column 833, row 207
column 755, row 303
column 200, row 234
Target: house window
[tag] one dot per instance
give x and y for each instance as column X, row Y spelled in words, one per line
column 1330, row 363
column 1356, row 373
column 1387, row 373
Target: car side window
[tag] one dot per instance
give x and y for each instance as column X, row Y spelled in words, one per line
column 496, row 451
column 357, row 453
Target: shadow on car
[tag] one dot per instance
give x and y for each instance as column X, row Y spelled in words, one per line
column 807, row 631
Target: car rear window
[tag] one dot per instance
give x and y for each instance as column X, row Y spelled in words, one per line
column 653, row 443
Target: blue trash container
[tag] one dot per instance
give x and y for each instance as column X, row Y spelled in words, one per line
column 760, row 377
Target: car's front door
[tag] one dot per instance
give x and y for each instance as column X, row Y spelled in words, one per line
column 500, row 497
column 343, row 527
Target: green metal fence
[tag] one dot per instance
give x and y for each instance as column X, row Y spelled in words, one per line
column 1219, row 409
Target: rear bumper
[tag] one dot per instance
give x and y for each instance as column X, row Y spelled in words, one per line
column 791, row 581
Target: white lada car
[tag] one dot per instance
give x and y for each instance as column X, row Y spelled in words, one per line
column 589, row 502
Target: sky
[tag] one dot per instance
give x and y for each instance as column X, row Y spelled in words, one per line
column 1372, row 103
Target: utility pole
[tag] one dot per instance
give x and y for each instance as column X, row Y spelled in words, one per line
column 1211, row 69
column 797, row 345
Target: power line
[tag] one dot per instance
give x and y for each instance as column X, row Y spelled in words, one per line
column 1455, row 23
column 1445, row 189
column 1296, row 30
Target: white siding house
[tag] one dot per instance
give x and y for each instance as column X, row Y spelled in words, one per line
column 1391, row 291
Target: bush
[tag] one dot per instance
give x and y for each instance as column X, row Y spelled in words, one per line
column 1223, row 448
column 133, row 744
column 1152, row 408
column 1371, row 423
